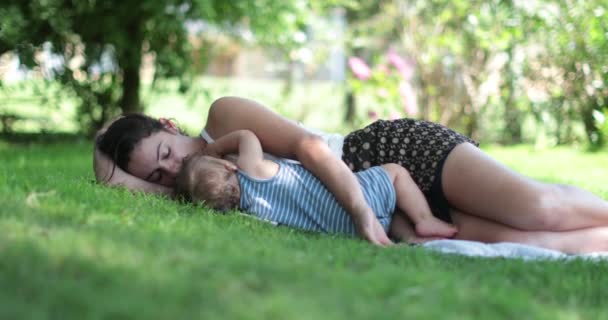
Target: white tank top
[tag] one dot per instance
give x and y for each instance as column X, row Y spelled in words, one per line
column 333, row 140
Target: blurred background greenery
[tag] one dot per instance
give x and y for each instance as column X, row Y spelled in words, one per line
column 520, row 71
column 505, row 72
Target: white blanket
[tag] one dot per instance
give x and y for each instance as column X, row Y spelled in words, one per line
column 505, row 250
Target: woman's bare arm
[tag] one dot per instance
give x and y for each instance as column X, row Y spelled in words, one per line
column 111, row 175
column 282, row 137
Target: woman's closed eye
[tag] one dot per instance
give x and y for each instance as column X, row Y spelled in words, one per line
column 167, row 153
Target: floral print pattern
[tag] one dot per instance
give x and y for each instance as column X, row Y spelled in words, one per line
column 419, row 146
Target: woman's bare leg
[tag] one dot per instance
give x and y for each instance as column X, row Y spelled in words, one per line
column 474, row 228
column 475, row 183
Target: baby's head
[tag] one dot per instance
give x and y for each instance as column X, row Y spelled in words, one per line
column 208, row 180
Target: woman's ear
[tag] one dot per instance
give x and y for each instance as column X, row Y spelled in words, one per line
column 169, row 125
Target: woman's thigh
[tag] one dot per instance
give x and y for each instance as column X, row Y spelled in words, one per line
column 475, row 183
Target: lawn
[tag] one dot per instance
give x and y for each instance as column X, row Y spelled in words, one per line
column 316, row 103
column 71, row 249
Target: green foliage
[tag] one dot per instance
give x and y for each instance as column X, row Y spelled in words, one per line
column 387, row 85
column 491, row 69
column 101, row 43
column 580, row 51
column 514, row 61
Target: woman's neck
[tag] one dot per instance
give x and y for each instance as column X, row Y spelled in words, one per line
column 198, row 143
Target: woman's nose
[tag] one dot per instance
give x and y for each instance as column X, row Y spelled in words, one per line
column 172, row 166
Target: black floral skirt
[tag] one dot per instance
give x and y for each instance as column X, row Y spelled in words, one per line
column 419, row 146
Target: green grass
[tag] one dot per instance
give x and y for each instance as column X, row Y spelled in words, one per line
column 315, row 103
column 70, row 249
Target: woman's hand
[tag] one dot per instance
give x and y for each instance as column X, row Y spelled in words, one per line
column 371, row 230
column 337, row 177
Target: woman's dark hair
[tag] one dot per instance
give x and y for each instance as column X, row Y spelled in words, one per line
column 123, row 135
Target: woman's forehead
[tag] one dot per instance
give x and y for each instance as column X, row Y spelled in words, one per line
column 145, row 155
column 149, row 145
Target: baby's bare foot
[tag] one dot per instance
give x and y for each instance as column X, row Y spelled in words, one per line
column 433, row 227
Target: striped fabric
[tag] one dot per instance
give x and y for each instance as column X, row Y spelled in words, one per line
column 296, row 198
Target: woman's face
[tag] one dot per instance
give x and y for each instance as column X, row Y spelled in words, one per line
column 158, row 158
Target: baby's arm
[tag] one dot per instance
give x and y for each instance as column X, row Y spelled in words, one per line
column 243, row 142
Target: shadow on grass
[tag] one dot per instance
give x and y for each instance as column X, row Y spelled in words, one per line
column 38, row 284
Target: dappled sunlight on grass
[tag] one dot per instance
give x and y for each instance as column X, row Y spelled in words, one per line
column 74, row 247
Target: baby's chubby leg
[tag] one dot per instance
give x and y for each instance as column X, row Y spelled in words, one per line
column 412, row 202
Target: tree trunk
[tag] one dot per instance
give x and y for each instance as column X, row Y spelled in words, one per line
column 472, row 125
column 594, row 134
column 351, row 107
column 130, row 87
column 513, row 116
column 130, row 63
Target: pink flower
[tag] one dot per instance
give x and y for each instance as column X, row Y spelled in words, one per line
column 383, row 68
column 359, row 68
column 406, row 68
column 395, row 115
column 372, row 114
column 382, row 92
column 408, row 98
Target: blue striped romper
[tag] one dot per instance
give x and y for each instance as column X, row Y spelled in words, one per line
column 296, row 198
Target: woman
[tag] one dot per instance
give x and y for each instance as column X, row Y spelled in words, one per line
column 487, row 201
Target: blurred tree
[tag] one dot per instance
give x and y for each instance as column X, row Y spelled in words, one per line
column 577, row 50
column 512, row 60
column 101, row 43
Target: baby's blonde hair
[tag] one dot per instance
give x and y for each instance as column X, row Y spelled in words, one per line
column 204, row 180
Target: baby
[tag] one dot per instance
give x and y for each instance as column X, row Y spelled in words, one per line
column 286, row 193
